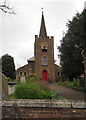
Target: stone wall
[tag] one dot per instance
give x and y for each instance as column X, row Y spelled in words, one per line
column 43, row 109
column 3, row 86
column 85, row 62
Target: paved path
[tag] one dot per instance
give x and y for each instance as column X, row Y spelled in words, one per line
column 67, row 92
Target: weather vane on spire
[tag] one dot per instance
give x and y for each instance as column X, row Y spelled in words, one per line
column 42, row 9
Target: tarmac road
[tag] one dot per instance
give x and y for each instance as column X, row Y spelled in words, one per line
column 68, row 92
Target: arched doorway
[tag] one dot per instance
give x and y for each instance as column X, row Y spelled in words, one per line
column 44, row 75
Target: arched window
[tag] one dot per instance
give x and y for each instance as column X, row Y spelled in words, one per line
column 24, row 73
column 61, row 73
column 20, row 73
column 44, row 60
column 58, row 74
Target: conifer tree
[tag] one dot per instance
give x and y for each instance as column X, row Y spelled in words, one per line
column 8, row 66
column 72, row 46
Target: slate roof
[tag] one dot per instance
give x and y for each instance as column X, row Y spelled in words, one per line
column 31, row 59
column 43, row 32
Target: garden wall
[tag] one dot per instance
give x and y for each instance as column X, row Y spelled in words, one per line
column 43, row 109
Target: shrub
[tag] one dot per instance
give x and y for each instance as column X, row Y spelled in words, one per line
column 27, row 91
column 31, row 76
column 31, row 80
column 33, row 89
column 43, row 85
column 12, row 96
column 46, row 94
column 75, row 84
column 8, row 78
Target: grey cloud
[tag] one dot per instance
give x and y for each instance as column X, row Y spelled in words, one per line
column 18, row 31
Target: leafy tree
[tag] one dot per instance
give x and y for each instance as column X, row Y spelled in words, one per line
column 6, row 8
column 8, row 66
column 72, row 46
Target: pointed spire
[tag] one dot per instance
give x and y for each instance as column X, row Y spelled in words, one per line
column 43, row 32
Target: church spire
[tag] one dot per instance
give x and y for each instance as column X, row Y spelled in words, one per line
column 43, row 32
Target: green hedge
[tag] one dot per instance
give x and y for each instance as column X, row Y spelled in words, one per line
column 27, row 91
column 31, row 90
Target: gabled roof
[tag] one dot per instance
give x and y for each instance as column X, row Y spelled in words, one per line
column 31, row 59
column 43, row 32
column 58, row 67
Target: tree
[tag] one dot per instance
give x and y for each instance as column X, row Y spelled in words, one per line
column 8, row 66
column 6, row 8
column 72, row 45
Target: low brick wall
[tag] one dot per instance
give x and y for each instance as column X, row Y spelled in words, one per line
column 43, row 109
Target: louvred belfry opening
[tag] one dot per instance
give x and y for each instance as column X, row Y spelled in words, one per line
column 44, row 75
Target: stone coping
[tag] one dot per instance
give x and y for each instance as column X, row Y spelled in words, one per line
column 43, row 103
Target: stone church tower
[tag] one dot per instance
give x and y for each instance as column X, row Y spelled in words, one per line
column 42, row 63
column 44, row 54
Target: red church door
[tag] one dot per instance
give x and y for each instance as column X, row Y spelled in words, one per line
column 44, row 75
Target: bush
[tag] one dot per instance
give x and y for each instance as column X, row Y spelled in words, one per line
column 32, row 76
column 31, row 80
column 27, row 91
column 43, row 85
column 46, row 94
column 33, row 89
column 75, row 84
column 9, row 80
column 12, row 96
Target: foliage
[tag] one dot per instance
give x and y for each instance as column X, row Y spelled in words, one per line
column 72, row 46
column 12, row 96
column 32, row 76
column 31, row 89
column 27, row 91
column 44, row 94
column 8, row 66
column 6, row 8
column 74, row 85
column 43, row 85
column 31, row 80
column 61, row 98
column 9, row 80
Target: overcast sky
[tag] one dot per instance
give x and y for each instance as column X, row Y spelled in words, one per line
column 17, row 32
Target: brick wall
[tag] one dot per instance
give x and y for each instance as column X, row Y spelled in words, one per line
column 43, row 109
column 26, row 68
column 49, row 54
column 58, row 69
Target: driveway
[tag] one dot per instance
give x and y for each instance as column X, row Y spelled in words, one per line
column 67, row 92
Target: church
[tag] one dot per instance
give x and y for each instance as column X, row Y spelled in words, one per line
column 42, row 63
